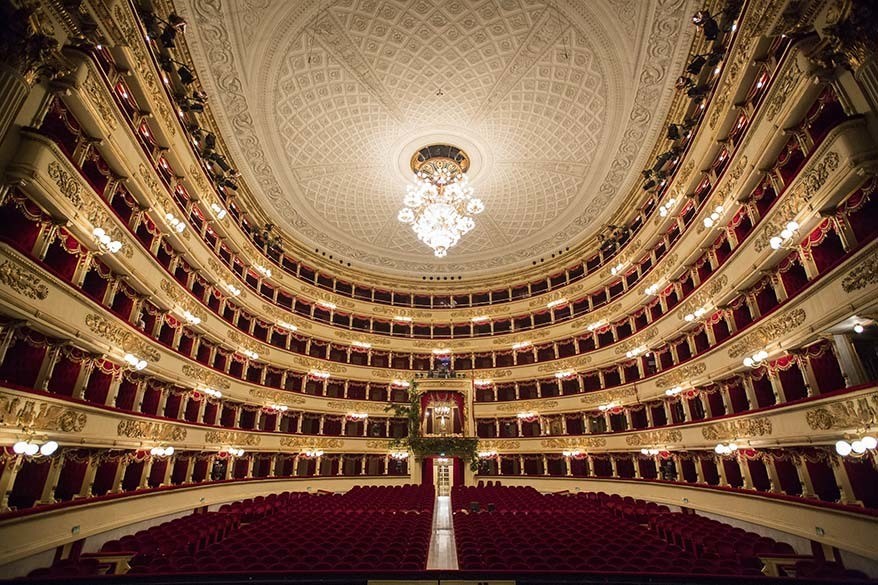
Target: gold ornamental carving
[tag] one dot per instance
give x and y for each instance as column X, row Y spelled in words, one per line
column 775, row 328
column 128, row 341
column 845, row 415
column 798, row 198
column 356, row 406
column 636, row 341
column 782, row 89
column 93, row 211
column 353, row 337
column 380, row 444
column 93, row 88
column 245, row 342
column 498, row 444
column 658, row 437
column 529, row 337
column 278, row 315
column 704, row 298
column 581, row 443
column 205, row 377
column 864, row 272
column 321, row 295
column 232, row 438
column 527, row 405
column 152, row 431
column 658, row 274
column 563, row 293
column 385, row 375
column 737, row 429
column 596, row 316
column 17, row 411
column 315, row 364
column 681, row 374
column 23, row 280
column 573, row 363
column 431, row 343
column 224, row 275
column 311, row 443
column 495, row 374
column 277, row 396
column 402, row 312
column 593, row 399
column 182, row 300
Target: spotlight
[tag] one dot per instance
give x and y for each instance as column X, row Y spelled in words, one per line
column 186, row 75
column 695, row 66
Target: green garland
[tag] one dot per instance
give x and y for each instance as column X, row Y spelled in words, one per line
column 464, row 447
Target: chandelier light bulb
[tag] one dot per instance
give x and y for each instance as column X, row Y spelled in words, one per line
column 20, row 447
column 775, row 242
column 858, row 328
column 858, row 447
column 31, row 449
column 869, row 441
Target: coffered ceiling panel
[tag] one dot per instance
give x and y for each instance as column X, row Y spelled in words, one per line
column 322, row 104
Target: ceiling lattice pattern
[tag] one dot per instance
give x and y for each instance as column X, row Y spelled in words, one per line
column 335, row 91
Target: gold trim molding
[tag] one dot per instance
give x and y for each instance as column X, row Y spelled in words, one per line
column 23, row 280
column 153, row 431
column 737, row 429
column 232, row 438
column 17, row 411
column 849, row 414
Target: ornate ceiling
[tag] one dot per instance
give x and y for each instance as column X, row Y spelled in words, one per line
column 322, row 104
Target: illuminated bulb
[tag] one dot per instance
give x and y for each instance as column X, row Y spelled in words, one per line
column 858, row 447
column 858, row 328
column 48, row 448
column 775, row 242
column 20, row 447
column 748, row 361
column 869, row 441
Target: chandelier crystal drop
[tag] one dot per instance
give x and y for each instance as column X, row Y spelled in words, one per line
column 439, row 204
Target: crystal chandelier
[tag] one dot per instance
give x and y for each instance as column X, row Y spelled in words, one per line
column 439, row 205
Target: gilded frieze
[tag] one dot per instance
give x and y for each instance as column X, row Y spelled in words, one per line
column 593, row 399
column 658, row 437
column 636, row 341
column 205, row 377
column 117, row 335
column 573, row 363
column 573, row 443
column 362, row 338
column 315, row 364
column 277, row 396
column 703, row 298
column 380, row 444
column 356, row 406
column 233, row 438
column 864, row 272
column 681, row 374
column 772, row 330
column 277, row 314
column 311, row 443
column 96, row 94
column 152, row 431
column 17, row 411
column 23, row 280
column 527, row 406
column 737, row 429
column 845, row 415
column 182, row 300
column 498, row 444
column 247, row 343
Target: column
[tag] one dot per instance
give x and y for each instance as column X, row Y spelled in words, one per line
column 46, row 368
column 613, row 466
column 340, row 465
column 744, row 464
column 362, row 465
column 88, row 479
column 699, row 472
column 113, row 389
column 169, row 468
column 190, row 468
column 844, row 481
column 773, row 477
column 635, row 460
column 144, row 474
column 650, row 421
column 848, row 360
column 121, row 466
column 567, row 470
column 56, row 463
column 719, row 460
column 804, row 478
column 7, row 480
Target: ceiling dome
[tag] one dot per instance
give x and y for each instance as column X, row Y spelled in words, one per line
column 323, row 104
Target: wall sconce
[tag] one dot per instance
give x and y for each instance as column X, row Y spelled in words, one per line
column 249, row 353
column 673, row 391
column 189, row 317
column 232, row 289
column 362, row 344
column 33, row 448
column 714, row 216
column 636, row 351
column 856, row 448
column 318, row 375
column 442, row 351
column 696, row 314
column 134, row 362
column 356, row 416
column 263, row 270
column 483, row 383
column 218, row 211
column 782, row 240
column 231, row 452
column 327, row 305
column 161, row 451
column 400, row 383
column 275, row 408
column 287, row 326
column 597, row 325
column 723, row 449
column 104, row 242
column 757, row 359
column 213, row 393
column 556, row 303
column 481, row 319
column 666, row 207
column 311, row 453
column 521, row 345
column 175, row 222
column 617, row 268
column 402, row 319
column 565, row 374
column 399, row 455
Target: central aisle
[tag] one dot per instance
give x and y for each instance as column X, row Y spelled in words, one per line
column 443, row 552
